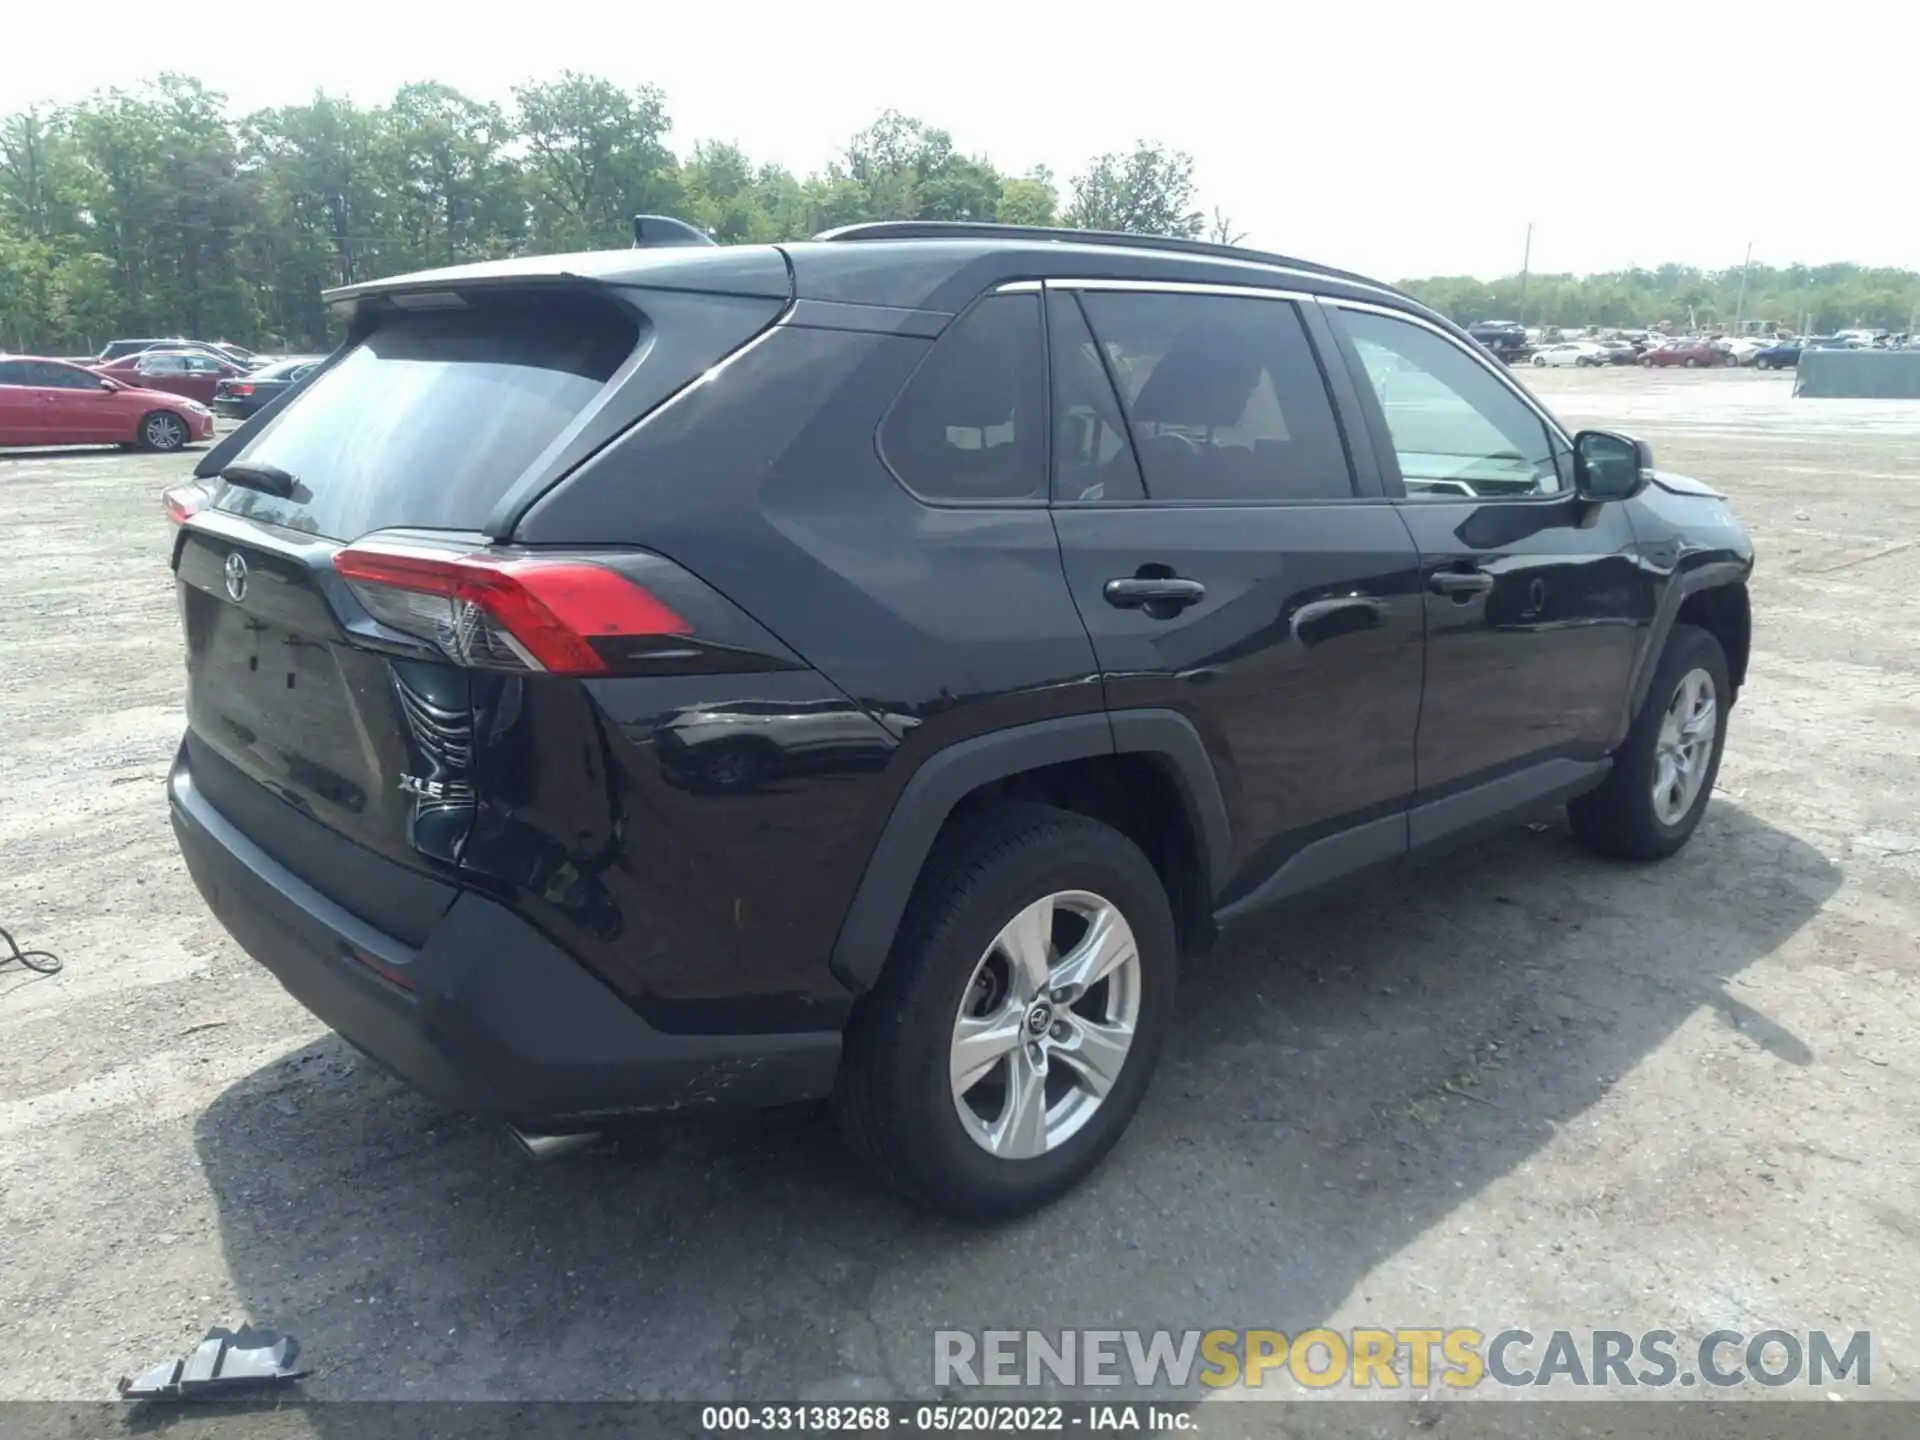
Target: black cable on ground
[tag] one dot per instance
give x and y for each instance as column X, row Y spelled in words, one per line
column 43, row 962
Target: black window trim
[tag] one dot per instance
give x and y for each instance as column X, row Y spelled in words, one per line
column 1362, row 471
column 1388, row 459
column 987, row 502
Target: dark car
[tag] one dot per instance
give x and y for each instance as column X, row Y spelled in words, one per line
column 239, row 396
column 1782, row 355
column 703, row 677
column 1619, row 352
column 1506, row 339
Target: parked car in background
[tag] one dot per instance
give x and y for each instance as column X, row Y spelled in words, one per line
column 239, row 396
column 1741, row 348
column 120, row 349
column 1693, row 354
column 195, row 374
column 54, row 402
column 236, row 355
column 1781, row 355
column 239, row 354
column 1505, row 338
column 1571, row 352
column 1619, row 352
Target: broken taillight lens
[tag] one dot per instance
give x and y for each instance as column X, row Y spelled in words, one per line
column 564, row 616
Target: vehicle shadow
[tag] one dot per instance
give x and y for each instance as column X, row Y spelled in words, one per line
column 1342, row 1079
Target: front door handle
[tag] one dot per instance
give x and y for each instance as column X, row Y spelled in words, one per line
column 1160, row 596
column 1460, row 584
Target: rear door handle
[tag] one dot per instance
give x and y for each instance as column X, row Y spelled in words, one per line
column 1460, row 583
column 1158, row 596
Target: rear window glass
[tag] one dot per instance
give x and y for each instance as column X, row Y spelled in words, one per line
column 430, row 420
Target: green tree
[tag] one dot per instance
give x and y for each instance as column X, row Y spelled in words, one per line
column 596, row 157
column 1148, row 191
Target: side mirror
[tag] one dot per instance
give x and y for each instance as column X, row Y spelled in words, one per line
column 1607, row 466
column 109, row 384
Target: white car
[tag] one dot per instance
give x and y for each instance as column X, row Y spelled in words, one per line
column 1743, row 348
column 1571, row 352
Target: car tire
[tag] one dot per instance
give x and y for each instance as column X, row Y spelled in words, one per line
column 1540, row 361
column 898, row 1100
column 162, row 430
column 1692, row 363
column 1645, row 363
column 1760, row 364
column 1645, row 810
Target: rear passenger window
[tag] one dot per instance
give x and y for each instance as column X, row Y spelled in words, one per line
column 1224, row 395
column 1092, row 457
column 971, row 422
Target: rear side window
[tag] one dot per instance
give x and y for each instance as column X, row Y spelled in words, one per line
column 1092, row 457
column 1224, row 395
column 429, row 421
column 971, row 422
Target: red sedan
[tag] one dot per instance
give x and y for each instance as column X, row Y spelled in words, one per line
column 192, row 373
column 49, row 402
column 1690, row 353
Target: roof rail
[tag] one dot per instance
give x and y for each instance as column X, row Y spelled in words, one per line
column 978, row 230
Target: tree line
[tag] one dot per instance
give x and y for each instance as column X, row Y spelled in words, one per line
column 1817, row 299
column 155, row 211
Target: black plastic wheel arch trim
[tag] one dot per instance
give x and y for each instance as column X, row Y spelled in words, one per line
column 948, row 776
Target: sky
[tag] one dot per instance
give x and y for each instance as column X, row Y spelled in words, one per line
column 1395, row 139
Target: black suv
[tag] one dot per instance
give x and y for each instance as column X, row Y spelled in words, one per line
column 710, row 677
column 1506, row 339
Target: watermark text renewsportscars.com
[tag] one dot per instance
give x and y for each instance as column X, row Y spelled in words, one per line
column 1411, row 1358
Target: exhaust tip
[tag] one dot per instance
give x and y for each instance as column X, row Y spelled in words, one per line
column 552, row 1147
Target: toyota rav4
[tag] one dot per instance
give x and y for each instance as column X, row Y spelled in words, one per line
column 700, row 676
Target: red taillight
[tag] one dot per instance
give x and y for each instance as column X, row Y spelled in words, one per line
column 183, row 502
column 236, row 387
column 505, row 612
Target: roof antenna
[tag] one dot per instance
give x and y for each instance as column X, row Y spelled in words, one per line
column 650, row 231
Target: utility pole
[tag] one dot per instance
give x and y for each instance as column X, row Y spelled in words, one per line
column 1740, row 305
column 1526, row 263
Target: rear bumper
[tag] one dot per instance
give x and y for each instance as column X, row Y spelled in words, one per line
column 487, row 1015
column 234, row 409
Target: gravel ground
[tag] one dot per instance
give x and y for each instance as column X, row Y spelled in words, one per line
column 1520, row 1087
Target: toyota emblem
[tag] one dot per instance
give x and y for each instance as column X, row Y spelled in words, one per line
column 237, row 576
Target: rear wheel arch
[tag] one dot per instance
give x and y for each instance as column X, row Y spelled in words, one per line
column 1145, row 774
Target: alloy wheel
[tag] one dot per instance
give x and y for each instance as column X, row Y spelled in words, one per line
column 164, row 432
column 1045, row 1024
column 1684, row 750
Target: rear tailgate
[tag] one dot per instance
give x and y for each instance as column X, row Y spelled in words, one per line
column 301, row 699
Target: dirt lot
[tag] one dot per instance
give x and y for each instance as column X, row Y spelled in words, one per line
column 1523, row 1088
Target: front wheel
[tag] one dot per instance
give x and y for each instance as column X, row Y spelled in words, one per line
column 1645, row 364
column 1665, row 769
column 1017, row 1022
column 1692, row 364
column 1760, row 364
column 1540, row 362
column 163, row 430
